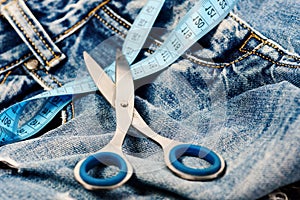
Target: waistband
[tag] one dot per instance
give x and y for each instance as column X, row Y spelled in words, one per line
column 41, row 25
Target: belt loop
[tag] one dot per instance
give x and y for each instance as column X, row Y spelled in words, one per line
column 31, row 32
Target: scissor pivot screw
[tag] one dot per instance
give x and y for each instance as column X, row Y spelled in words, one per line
column 124, row 104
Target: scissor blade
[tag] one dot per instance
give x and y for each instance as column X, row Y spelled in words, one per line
column 105, row 85
column 124, row 93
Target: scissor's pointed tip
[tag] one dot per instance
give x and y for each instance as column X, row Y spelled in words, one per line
column 88, row 59
column 85, row 55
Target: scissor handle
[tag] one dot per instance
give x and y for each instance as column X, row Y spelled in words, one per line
column 173, row 153
column 103, row 159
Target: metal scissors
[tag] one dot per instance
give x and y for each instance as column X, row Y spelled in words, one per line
column 121, row 96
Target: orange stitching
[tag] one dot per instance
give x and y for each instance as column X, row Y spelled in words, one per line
column 263, row 40
column 15, row 62
column 92, row 12
column 252, row 35
column 197, row 60
column 42, row 80
column 53, row 78
column 109, row 26
column 36, row 31
column 55, row 39
column 127, row 26
column 26, row 35
column 240, row 22
column 5, row 77
column 274, row 62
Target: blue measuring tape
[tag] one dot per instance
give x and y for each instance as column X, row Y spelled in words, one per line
column 203, row 17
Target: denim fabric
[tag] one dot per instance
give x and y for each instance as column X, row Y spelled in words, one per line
column 236, row 91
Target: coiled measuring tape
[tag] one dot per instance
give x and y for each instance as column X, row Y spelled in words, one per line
column 203, row 17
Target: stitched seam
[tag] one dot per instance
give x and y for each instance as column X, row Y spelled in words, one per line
column 36, row 31
column 117, row 19
column 15, row 62
column 40, row 78
column 273, row 61
column 110, row 26
column 241, row 23
column 264, row 41
column 53, row 78
column 26, row 35
column 5, row 77
column 159, row 44
column 252, row 35
column 92, row 12
column 56, row 38
column 197, row 60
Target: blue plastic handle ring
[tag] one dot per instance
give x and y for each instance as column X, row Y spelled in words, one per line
column 195, row 151
column 106, row 159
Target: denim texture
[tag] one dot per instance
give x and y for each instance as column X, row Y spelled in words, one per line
column 236, row 92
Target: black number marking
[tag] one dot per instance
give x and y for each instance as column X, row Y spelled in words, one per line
column 166, row 55
column 186, row 32
column 152, row 64
column 22, row 131
column 150, row 9
column 222, row 4
column 34, row 122
column 45, row 111
column 142, row 22
column 199, row 22
column 211, row 11
column 176, row 44
column 6, row 121
column 135, row 37
column 55, row 100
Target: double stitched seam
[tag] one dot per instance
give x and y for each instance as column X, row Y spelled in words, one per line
column 110, row 26
column 117, row 19
column 91, row 13
column 252, row 35
column 158, row 43
column 198, row 61
column 61, row 35
column 15, row 62
column 39, row 35
column 53, row 78
column 102, row 5
column 274, row 62
column 5, row 77
column 192, row 58
column 40, row 78
column 73, row 27
column 26, row 35
column 262, row 40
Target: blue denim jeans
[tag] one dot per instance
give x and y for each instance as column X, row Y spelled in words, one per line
column 236, row 91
